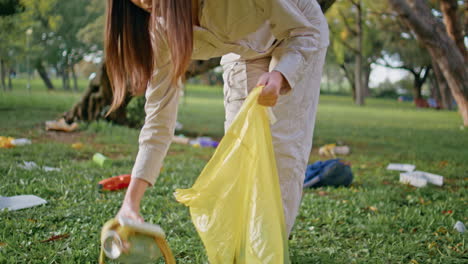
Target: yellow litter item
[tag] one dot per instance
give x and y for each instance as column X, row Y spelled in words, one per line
column 6, row 142
column 236, row 203
column 146, row 242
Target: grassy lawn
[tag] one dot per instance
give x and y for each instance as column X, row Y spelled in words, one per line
column 377, row 220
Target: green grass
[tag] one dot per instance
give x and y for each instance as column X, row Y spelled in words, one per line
column 377, row 220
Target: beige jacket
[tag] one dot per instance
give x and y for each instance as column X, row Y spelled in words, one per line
column 287, row 30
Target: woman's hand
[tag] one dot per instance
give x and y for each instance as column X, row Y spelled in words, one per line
column 273, row 81
column 131, row 203
column 130, row 211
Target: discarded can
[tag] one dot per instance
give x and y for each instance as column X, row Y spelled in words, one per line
column 101, row 159
column 128, row 241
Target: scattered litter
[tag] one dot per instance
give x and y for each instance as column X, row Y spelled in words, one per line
column 31, row 165
column 460, row 227
column 204, row 142
column 21, row 142
column 415, row 178
column 101, row 159
column 20, row 202
column 331, row 150
column 415, row 181
column 181, row 139
column 128, row 241
column 421, row 178
column 401, row 167
column 328, row 173
column 9, row 142
column 115, row 183
column 77, row 145
column 28, row 165
column 61, row 125
column 178, row 126
column 53, row 238
column 431, row 178
column 48, row 169
column 6, row 142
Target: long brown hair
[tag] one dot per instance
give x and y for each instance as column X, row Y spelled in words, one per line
column 130, row 47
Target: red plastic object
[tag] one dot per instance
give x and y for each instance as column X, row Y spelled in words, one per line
column 115, row 183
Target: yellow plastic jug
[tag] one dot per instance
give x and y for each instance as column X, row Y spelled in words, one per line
column 235, row 203
column 146, row 242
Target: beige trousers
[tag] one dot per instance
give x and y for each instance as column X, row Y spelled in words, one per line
column 295, row 111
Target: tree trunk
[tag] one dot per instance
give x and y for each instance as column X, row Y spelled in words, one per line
column 454, row 29
column 10, row 84
column 350, row 77
column 65, row 78
column 417, row 87
column 44, row 76
column 2, row 74
column 365, row 82
column 358, row 67
column 419, row 80
column 96, row 98
column 444, row 91
column 75, row 81
column 433, row 35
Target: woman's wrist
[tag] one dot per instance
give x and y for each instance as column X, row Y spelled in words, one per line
column 135, row 193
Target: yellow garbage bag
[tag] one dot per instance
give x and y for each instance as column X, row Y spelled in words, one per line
column 235, row 203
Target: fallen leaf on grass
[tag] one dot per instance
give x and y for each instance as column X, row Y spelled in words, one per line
column 371, row 208
column 322, row 193
column 441, row 230
column 447, row 212
column 32, row 220
column 423, row 202
column 443, row 164
column 53, row 238
column 413, row 261
column 432, row 245
column 386, row 182
column 3, row 244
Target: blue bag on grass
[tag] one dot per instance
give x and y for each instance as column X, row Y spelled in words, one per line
column 328, row 173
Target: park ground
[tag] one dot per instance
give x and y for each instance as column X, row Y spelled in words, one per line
column 376, row 220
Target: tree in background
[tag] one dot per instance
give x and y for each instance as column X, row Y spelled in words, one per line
column 405, row 53
column 54, row 40
column 356, row 40
column 433, row 34
column 9, row 47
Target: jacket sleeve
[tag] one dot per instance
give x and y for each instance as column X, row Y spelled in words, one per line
column 158, row 130
column 302, row 29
